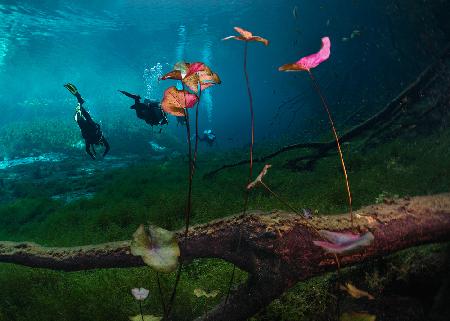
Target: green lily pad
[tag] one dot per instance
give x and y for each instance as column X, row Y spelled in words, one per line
column 357, row 316
column 145, row 317
column 200, row 292
column 157, row 247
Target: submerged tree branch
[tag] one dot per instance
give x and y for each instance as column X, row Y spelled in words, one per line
column 276, row 249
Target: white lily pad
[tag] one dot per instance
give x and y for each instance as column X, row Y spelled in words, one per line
column 157, row 247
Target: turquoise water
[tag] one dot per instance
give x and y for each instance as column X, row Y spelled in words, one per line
column 104, row 46
column 52, row 193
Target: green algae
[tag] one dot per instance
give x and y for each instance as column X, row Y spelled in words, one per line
column 128, row 197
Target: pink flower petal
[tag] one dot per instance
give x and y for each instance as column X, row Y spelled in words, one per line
column 346, row 242
column 312, row 61
column 339, row 238
column 195, row 67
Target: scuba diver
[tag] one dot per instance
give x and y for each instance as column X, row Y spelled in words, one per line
column 149, row 110
column 208, row 137
column 90, row 130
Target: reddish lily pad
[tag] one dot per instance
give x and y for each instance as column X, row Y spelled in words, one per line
column 311, row 61
column 204, row 77
column 175, row 101
column 246, row 35
column 174, row 74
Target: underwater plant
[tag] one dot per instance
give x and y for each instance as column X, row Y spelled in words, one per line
column 354, row 292
column 247, row 36
column 199, row 293
column 140, row 294
column 306, row 64
column 196, row 77
column 176, row 102
column 157, row 247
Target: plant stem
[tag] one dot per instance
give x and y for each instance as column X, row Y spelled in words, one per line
column 174, row 292
column 140, row 310
column 325, row 105
column 161, row 294
column 298, row 213
column 188, row 207
column 191, row 174
column 196, row 130
column 250, row 174
column 252, row 116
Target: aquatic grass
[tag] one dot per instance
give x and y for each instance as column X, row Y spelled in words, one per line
column 196, row 77
column 426, row 158
column 35, row 295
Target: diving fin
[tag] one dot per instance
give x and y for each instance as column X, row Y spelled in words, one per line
column 135, row 97
column 73, row 90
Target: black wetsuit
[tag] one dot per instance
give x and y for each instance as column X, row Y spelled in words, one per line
column 90, row 130
column 150, row 111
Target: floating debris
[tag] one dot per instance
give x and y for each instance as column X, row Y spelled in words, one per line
column 258, row 179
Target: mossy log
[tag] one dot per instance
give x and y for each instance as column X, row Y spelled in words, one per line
column 276, row 249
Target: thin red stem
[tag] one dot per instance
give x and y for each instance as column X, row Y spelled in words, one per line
column 188, row 208
column 196, row 131
column 325, row 105
column 252, row 124
column 189, row 199
column 298, row 213
column 252, row 116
